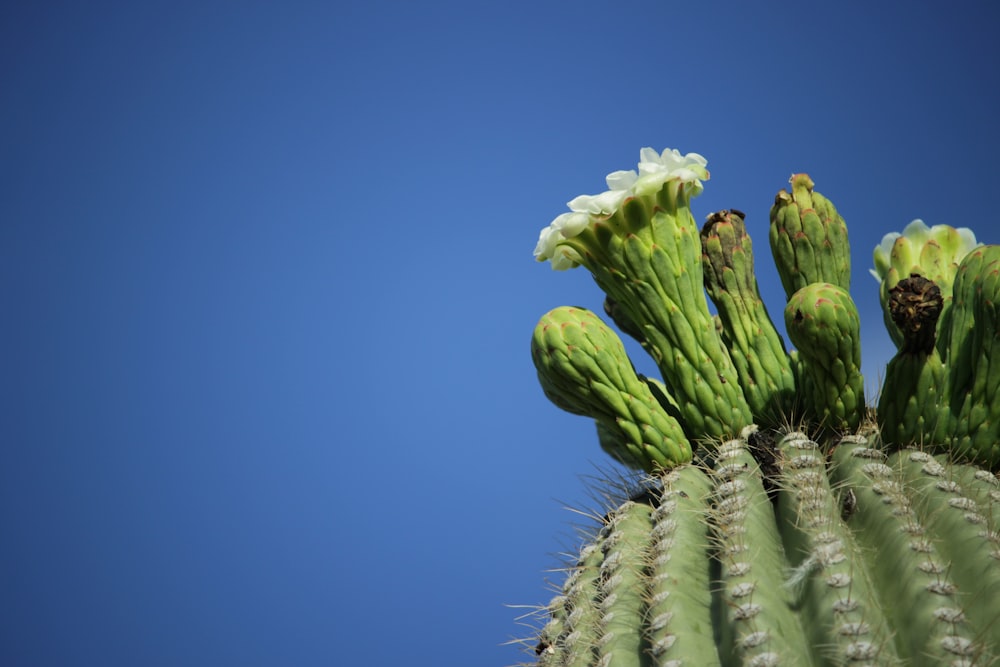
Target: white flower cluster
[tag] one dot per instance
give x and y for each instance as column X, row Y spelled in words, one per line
column 654, row 170
column 954, row 243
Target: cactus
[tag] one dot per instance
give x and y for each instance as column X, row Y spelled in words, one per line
column 940, row 387
column 778, row 520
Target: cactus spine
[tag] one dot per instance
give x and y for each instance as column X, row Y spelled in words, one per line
column 749, row 542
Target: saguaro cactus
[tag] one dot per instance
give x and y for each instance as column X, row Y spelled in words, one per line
column 778, row 520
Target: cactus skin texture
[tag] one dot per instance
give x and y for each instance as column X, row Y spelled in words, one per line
column 860, row 558
column 808, row 238
column 822, row 321
column 583, row 368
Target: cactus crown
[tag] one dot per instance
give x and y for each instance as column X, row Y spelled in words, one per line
column 872, row 541
column 722, row 373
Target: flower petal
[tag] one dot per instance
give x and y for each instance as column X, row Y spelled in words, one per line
column 621, row 180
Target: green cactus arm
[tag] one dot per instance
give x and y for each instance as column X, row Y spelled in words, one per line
column 583, row 368
column 756, row 347
column 808, row 238
column 909, row 403
column 822, row 322
column 569, row 639
column 622, row 599
column 973, row 358
column 680, row 593
column 661, row 290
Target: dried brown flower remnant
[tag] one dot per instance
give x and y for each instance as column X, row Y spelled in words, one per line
column 915, row 304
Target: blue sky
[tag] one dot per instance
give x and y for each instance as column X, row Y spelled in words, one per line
column 267, row 289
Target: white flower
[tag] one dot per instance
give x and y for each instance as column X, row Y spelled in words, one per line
column 565, row 226
column 655, row 169
column 619, row 187
column 883, row 252
column 954, row 243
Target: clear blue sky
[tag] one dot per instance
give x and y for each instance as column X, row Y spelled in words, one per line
column 267, row 289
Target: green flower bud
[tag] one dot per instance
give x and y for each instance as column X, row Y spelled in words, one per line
column 808, row 238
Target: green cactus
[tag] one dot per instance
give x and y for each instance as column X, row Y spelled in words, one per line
column 874, row 541
column 808, row 238
column 971, row 336
column 915, row 377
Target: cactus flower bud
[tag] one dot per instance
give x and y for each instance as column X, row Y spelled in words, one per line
column 808, row 238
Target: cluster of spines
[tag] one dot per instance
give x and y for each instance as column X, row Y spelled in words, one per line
column 869, row 558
